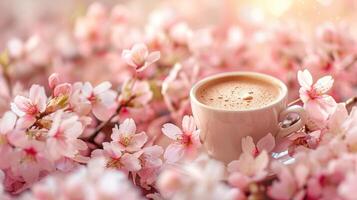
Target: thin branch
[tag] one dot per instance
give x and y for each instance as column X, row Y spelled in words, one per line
column 294, row 102
column 105, row 123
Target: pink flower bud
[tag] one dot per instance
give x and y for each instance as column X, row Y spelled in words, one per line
column 53, row 80
column 62, row 89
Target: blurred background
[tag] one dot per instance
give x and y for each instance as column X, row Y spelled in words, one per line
column 20, row 15
column 277, row 37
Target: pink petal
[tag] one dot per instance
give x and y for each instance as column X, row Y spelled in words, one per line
column 301, row 174
column 261, row 161
column 128, row 127
column 126, row 55
column 238, row 180
column 21, row 105
column 337, row 118
column 347, row 188
column 7, row 122
column 174, row 152
column 114, row 149
column 79, row 144
column 248, row 145
column 97, row 153
column 62, row 89
column 266, row 143
column 171, row 131
column 153, row 57
column 138, row 141
column 71, row 127
column 87, row 89
column 104, row 86
column 18, row 139
column 108, row 98
column 115, row 134
column 320, row 109
column 56, row 121
column 25, row 121
column 153, row 151
column 188, row 124
column 101, row 111
column 140, row 50
column 324, row 84
column 284, row 188
column 30, row 171
column 6, row 152
column 305, row 79
column 195, row 137
column 53, row 80
column 130, row 162
column 38, row 97
column 233, row 166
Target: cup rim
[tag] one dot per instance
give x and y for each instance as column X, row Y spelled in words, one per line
column 193, row 91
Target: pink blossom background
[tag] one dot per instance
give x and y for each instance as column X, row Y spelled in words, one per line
column 94, row 98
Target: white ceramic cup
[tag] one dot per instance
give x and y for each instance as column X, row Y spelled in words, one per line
column 222, row 130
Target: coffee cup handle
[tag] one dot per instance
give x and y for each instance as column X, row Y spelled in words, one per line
column 286, row 131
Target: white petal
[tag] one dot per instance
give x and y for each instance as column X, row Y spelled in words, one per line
column 171, row 131
column 128, row 127
column 305, row 79
column 188, row 124
column 324, row 84
column 174, row 152
column 102, row 87
column 38, row 97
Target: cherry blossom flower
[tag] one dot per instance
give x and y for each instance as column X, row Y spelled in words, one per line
column 63, row 137
column 187, row 140
column 317, row 103
column 32, row 161
column 28, row 108
column 102, row 99
column 248, row 169
column 115, row 158
column 126, row 137
column 139, row 57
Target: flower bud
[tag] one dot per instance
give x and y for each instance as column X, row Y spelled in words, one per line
column 63, row 89
column 53, row 80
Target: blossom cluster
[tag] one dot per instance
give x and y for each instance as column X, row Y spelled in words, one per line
column 100, row 110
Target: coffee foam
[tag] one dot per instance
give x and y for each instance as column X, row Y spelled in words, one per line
column 238, row 93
